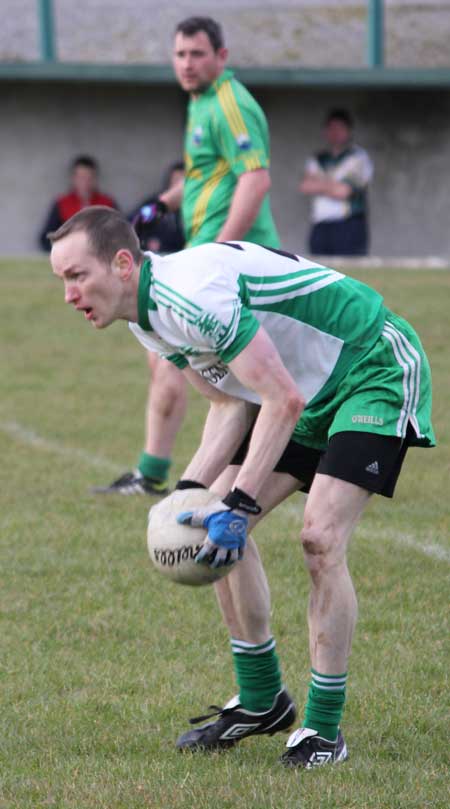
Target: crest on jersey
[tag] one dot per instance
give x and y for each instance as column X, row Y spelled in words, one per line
column 197, row 136
column 208, row 324
column 243, row 141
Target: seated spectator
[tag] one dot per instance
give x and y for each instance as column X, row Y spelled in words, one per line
column 83, row 192
column 165, row 233
column 337, row 179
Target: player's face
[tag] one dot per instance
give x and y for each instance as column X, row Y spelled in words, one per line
column 84, row 181
column 337, row 134
column 195, row 61
column 90, row 285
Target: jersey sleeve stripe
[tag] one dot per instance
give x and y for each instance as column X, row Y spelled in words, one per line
column 178, row 310
column 230, row 329
column 263, row 298
column 231, row 110
column 176, row 359
column 252, row 163
column 246, row 330
column 283, row 281
column 171, row 292
column 235, row 121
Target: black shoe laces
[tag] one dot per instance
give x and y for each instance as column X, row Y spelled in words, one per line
column 216, row 711
column 126, row 478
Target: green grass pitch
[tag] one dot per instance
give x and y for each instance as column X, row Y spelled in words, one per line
column 102, row 661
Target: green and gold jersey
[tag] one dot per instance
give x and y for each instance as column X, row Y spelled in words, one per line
column 226, row 135
column 201, row 307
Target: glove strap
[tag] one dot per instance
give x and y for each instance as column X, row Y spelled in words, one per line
column 237, row 499
column 189, row 484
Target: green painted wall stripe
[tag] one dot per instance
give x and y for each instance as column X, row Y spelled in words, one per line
column 412, row 78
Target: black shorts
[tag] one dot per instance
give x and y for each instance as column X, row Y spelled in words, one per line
column 370, row 461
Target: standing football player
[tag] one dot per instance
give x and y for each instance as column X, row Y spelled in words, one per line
column 224, row 195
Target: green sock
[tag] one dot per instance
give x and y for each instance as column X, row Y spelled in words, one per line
column 326, row 698
column 257, row 672
column 150, row 466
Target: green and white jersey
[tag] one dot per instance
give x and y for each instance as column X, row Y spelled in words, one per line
column 352, row 166
column 226, row 136
column 203, row 306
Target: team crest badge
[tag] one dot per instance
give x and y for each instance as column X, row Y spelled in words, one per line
column 197, row 136
column 243, row 141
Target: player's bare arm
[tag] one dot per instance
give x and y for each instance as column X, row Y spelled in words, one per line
column 249, row 193
column 315, row 184
column 173, row 196
column 226, row 425
column 259, row 367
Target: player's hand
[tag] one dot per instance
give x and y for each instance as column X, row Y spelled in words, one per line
column 226, row 522
column 227, row 533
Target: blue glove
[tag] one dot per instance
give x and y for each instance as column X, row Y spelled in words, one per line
column 226, row 522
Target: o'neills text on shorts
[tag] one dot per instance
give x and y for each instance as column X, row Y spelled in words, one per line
column 368, row 420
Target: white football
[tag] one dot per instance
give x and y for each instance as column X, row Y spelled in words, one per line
column 173, row 547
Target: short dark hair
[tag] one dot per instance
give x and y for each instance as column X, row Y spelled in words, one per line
column 212, row 29
column 84, row 160
column 340, row 114
column 107, row 231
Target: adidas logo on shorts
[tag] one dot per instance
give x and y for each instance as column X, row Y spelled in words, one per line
column 373, row 468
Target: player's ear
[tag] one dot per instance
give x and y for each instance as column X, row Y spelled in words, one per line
column 123, row 264
column 222, row 53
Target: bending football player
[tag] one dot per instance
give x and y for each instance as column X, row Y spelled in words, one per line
column 314, row 386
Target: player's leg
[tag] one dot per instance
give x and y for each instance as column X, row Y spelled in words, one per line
column 263, row 704
column 355, row 465
column 243, row 595
column 332, row 511
column 387, row 410
column 166, row 407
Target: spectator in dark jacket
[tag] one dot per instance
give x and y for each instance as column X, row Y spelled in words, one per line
column 167, row 234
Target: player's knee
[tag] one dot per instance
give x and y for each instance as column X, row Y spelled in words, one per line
column 167, row 400
column 168, row 389
column 321, row 547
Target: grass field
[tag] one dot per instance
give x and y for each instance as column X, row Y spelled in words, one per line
column 103, row 662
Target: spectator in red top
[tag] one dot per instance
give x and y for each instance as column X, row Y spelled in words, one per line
column 84, row 192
